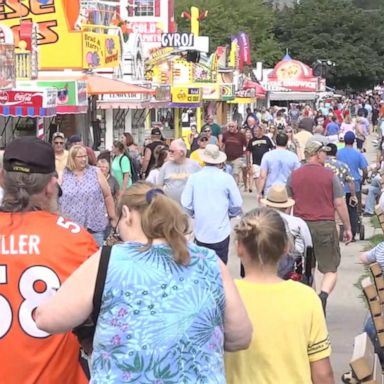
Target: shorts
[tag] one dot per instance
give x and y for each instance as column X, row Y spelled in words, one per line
column 237, row 165
column 326, row 245
column 256, row 171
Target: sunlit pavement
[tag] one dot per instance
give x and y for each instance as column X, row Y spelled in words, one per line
column 345, row 310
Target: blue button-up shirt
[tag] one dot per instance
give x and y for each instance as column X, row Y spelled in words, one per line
column 212, row 197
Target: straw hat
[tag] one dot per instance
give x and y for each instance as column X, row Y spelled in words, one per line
column 213, row 155
column 277, row 197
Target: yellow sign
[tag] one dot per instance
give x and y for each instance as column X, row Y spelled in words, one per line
column 62, row 45
column 100, row 50
column 186, row 95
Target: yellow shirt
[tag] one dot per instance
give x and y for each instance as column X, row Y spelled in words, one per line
column 289, row 332
column 195, row 155
column 302, row 137
column 61, row 161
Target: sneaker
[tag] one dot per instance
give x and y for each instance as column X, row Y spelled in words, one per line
column 348, row 378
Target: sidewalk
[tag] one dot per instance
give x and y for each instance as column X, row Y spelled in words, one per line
column 345, row 310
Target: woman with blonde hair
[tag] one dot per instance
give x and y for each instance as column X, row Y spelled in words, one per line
column 347, row 125
column 86, row 198
column 290, row 343
column 169, row 307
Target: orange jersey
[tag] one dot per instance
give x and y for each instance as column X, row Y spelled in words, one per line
column 38, row 251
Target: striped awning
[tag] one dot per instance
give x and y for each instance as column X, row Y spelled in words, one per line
column 20, row 111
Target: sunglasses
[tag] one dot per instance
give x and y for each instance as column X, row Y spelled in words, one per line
column 204, row 139
column 207, row 130
column 59, row 143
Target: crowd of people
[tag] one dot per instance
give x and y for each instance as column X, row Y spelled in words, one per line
column 169, row 310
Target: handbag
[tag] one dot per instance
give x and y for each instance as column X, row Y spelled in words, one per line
column 86, row 331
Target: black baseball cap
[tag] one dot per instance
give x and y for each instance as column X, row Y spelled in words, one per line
column 74, row 139
column 156, row 132
column 29, row 155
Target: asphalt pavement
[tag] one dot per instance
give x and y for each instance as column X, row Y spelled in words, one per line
column 346, row 311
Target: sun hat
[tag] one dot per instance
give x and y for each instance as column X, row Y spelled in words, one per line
column 29, row 155
column 313, row 146
column 277, row 197
column 213, row 155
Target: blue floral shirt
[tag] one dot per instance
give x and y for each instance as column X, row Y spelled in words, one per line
column 160, row 322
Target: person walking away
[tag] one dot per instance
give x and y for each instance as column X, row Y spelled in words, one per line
column 174, row 173
column 170, row 301
column 61, row 154
column 132, row 151
column 86, row 197
column 196, row 155
column 149, row 157
column 300, row 236
column 332, row 130
column 121, row 166
column 277, row 165
column 234, row 143
column 259, row 145
column 39, row 251
column 161, row 155
column 347, row 125
column 357, row 163
column 318, row 194
column 362, row 131
column 76, row 140
column 212, row 197
column 286, row 315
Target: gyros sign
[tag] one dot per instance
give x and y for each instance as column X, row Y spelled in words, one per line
column 177, row 40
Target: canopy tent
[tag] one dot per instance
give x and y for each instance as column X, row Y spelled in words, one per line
column 260, row 90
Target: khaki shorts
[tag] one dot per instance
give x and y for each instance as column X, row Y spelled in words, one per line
column 325, row 245
column 237, row 165
column 256, row 171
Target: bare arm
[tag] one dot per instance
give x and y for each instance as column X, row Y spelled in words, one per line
column 237, row 326
column 321, row 372
column 72, row 304
column 147, row 157
column 220, row 141
column 261, row 181
column 342, row 210
column 108, row 199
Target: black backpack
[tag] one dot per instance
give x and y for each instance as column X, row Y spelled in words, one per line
column 133, row 171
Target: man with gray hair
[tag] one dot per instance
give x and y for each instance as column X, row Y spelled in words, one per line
column 174, row 173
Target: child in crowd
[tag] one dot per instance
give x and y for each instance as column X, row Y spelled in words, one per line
column 290, row 343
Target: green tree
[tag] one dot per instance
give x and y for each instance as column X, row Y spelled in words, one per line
column 338, row 31
column 228, row 17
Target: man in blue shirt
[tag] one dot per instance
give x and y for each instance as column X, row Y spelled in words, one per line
column 277, row 165
column 212, row 197
column 356, row 162
column 332, row 130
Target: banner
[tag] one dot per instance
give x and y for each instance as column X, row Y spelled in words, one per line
column 245, row 48
column 234, row 56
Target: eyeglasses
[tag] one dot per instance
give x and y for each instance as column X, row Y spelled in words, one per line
column 207, row 130
column 59, row 143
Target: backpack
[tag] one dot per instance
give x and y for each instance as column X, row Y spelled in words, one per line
column 133, row 171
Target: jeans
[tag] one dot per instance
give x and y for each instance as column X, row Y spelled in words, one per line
column 98, row 236
column 369, row 327
column 221, row 248
column 373, row 192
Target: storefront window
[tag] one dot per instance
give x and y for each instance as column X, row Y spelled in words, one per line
column 144, row 7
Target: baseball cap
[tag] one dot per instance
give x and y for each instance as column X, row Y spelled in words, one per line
column 29, row 155
column 58, row 134
column 74, row 139
column 202, row 135
column 156, row 132
column 313, row 147
column 349, row 137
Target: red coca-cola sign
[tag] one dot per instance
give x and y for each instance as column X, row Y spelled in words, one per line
column 22, row 98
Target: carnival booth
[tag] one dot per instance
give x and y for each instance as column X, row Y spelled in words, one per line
column 291, row 80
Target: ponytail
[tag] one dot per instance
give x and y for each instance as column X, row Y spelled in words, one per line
column 161, row 217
